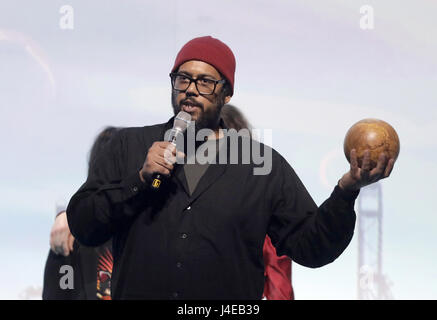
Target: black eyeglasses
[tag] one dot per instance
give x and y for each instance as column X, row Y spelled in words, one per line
column 205, row 86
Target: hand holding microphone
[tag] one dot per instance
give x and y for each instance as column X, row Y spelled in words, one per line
column 161, row 156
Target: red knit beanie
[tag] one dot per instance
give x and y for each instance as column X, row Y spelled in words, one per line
column 211, row 51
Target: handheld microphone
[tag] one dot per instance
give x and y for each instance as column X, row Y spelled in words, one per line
column 180, row 124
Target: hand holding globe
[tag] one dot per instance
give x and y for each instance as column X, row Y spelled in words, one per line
column 371, row 146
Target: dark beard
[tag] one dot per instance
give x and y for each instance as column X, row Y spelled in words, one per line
column 208, row 118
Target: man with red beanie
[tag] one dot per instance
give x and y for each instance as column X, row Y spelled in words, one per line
column 214, row 62
column 201, row 235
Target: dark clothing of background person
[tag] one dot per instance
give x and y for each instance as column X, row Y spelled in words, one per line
column 170, row 245
column 87, row 276
column 51, row 284
column 92, row 267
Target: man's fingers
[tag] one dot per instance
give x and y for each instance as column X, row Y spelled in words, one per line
column 162, row 168
column 172, row 159
column 180, row 157
column 162, row 161
column 354, row 163
column 378, row 171
column 168, row 146
column 365, row 166
column 161, row 146
column 159, row 159
column 169, row 156
column 389, row 167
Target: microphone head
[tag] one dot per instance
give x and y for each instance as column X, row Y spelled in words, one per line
column 182, row 121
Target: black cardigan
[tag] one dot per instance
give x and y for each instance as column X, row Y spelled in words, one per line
column 170, row 245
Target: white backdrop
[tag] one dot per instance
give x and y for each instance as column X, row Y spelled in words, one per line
column 305, row 69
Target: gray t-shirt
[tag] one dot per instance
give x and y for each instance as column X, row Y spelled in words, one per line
column 195, row 171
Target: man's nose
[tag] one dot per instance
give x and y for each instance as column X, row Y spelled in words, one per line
column 192, row 90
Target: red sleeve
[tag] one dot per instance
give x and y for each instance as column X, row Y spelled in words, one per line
column 277, row 272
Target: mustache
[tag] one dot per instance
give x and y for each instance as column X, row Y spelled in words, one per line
column 191, row 101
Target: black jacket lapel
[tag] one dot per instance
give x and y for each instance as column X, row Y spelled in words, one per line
column 214, row 172
column 179, row 175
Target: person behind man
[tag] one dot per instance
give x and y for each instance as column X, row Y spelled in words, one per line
column 200, row 236
column 92, row 266
column 277, row 270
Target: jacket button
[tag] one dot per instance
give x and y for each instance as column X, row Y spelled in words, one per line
column 189, row 208
column 179, row 265
column 184, row 236
column 135, row 189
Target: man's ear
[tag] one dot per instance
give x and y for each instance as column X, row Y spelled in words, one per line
column 227, row 99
